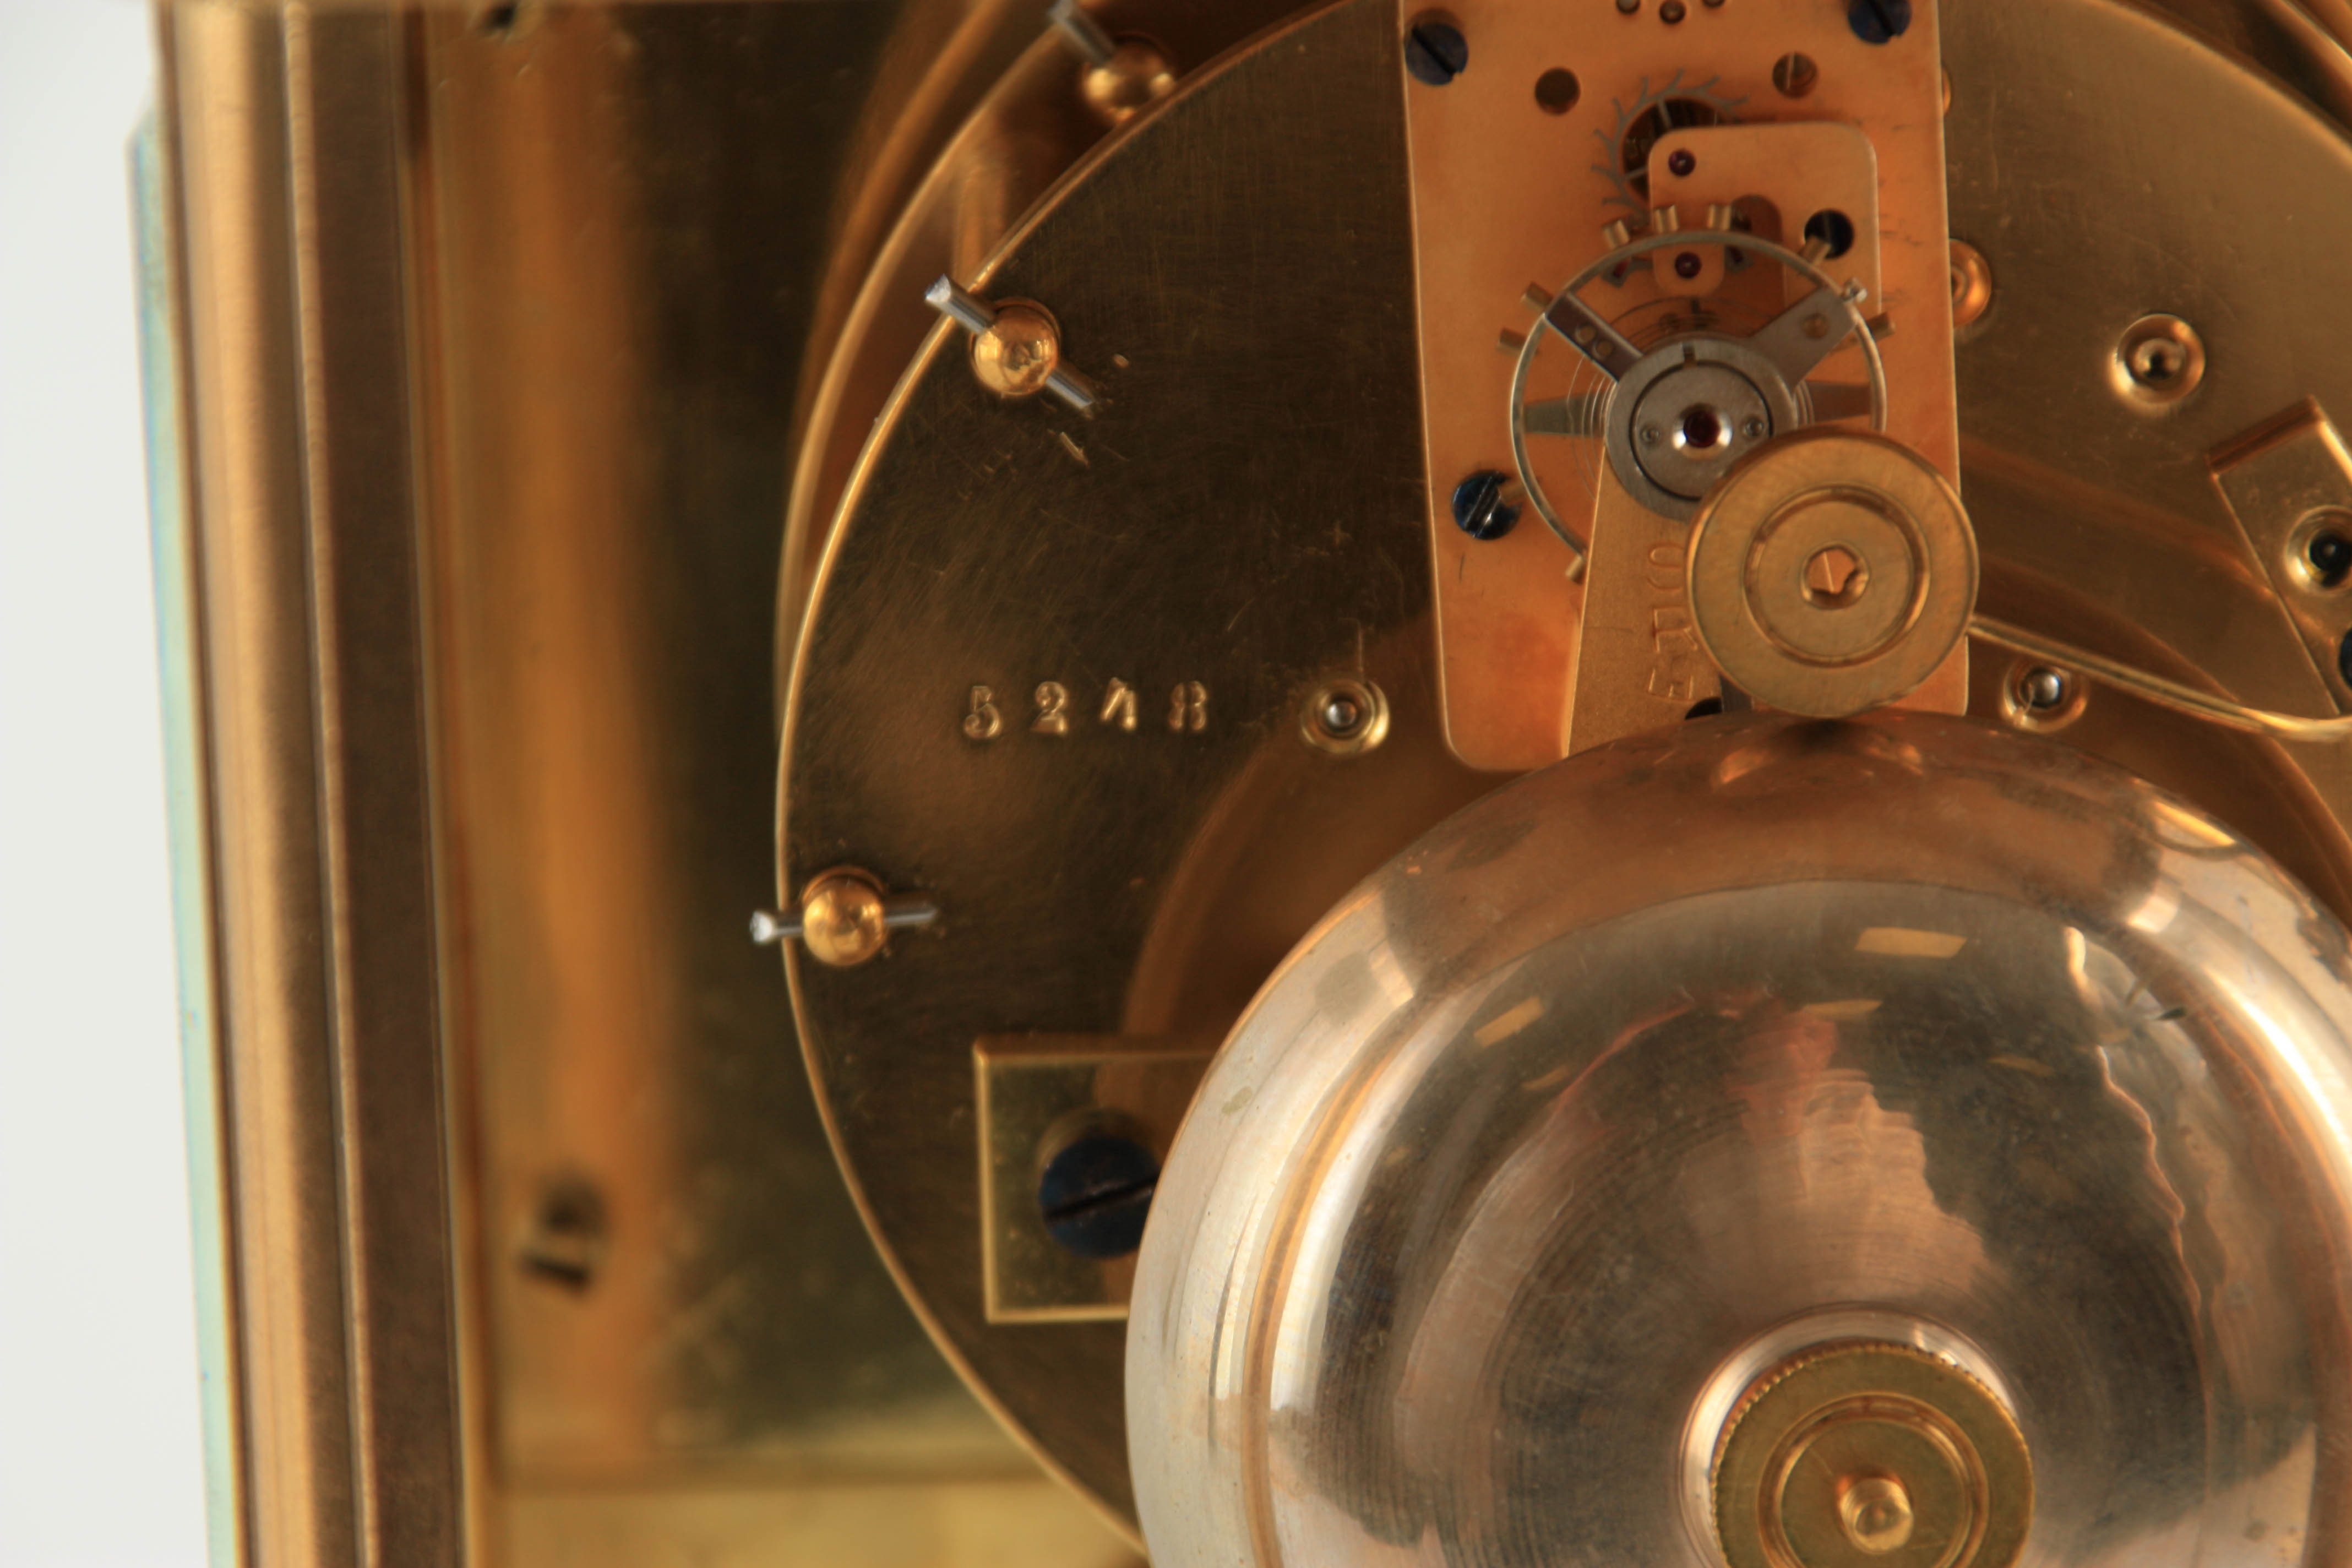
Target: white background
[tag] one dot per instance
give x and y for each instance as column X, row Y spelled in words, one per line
column 100, row 1460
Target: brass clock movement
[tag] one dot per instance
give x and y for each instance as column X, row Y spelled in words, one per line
column 1551, row 781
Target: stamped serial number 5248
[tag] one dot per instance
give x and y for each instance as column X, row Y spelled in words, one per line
column 1050, row 712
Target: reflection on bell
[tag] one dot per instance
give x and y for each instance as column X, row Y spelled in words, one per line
column 1714, row 1143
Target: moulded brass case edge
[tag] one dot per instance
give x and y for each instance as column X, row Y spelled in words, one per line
column 284, row 131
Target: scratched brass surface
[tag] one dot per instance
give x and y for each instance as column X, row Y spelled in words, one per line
column 620, row 271
column 489, row 321
column 1238, row 514
column 1103, row 880
column 1021, row 133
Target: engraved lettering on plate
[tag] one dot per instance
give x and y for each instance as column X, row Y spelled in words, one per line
column 1052, row 709
column 1188, row 707
column 981, row 722
column 1639, row 662
column 1118, row 704
column 1674, row 651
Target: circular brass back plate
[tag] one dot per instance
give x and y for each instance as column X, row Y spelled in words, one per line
column 1867, row 1455
column 1253, row 538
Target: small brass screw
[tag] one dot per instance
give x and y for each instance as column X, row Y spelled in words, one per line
column 2158, row 361
column 1345, row 717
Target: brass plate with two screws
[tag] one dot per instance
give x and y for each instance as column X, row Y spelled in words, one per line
column 1867, row 1455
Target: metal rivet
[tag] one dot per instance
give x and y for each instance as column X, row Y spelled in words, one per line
column 2326, row 553
column 1016, row 353
column 2040, row 697
column 1971, row 284
column 2158, row 361
column 1795, row 75
column 1345, row 716
column 841, row 919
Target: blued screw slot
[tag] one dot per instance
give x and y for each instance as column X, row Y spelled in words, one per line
column 1095, row 1193
column 1480, row 510
column 1879, row 21
column 1435, row 52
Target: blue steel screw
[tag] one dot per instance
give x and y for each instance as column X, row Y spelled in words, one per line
column 1479, row 509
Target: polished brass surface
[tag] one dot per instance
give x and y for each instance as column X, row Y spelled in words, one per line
column 2092, row 519
column 1865, row 1454
column 1798, row 167
column 1830, row 573
column 1646, row 665
column 1029, row 1093
column 281, row 131
column 1667, row 1065
column 1000, row 139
